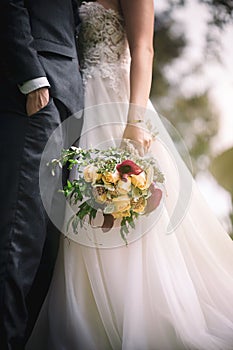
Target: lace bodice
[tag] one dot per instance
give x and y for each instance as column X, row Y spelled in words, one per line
column 102, row 43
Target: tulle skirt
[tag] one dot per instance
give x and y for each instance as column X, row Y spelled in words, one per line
column 170, row 288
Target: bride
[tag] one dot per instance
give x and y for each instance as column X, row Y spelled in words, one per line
column 163, row 291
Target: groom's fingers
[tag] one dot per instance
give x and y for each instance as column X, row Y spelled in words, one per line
column 36, row 100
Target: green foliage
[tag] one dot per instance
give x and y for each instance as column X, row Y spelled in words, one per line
column 192, row 115
column 197, row 123
column 167, row 47
column 221, row 10
column 222, row 169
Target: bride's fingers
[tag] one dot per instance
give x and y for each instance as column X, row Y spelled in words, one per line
column 136, row 144
column 147, row 143
column 139, row 137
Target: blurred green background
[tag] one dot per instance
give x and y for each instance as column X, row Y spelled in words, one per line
column 192, row 87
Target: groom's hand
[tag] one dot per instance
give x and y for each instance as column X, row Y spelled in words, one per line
column 36, row 100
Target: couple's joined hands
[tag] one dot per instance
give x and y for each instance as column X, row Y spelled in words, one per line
column 36, row 100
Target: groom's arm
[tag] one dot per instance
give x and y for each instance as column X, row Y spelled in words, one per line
column 75, row 10
column 20, row 58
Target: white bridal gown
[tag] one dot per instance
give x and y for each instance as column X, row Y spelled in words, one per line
column 171, row 288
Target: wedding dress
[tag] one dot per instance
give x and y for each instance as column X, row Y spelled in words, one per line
column 171, row 288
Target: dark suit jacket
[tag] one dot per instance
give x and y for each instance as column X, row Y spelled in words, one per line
column 38, row 39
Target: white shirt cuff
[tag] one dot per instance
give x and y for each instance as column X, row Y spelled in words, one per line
column 34, row 84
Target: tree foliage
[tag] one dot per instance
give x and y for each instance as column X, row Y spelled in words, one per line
column 192, row 116
column 221, row 10
column 221, row 167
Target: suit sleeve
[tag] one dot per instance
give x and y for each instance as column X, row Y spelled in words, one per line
column 75, row 5
column 19, row 57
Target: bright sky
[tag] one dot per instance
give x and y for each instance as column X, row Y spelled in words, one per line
column 192, row 20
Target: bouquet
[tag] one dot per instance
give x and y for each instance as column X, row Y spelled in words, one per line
column 118, row 182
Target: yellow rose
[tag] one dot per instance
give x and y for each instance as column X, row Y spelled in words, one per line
column 111, row 177
column 100, row 194
column 101, row 198
column 121, row 203
column 149, row 176
column 90, row 173
column 123, row 187
column 144, row 179
column 139, row 205
column 139, row 180
column 121, row 214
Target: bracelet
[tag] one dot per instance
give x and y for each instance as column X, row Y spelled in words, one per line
column 135, row 121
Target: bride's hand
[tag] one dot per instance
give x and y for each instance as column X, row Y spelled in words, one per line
column 139, row 135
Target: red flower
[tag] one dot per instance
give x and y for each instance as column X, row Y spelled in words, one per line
column 128, row 167
column 154, row 200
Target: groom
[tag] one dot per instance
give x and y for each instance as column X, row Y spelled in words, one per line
column 40, row 86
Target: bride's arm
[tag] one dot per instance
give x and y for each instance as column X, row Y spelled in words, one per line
column 139, row 20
